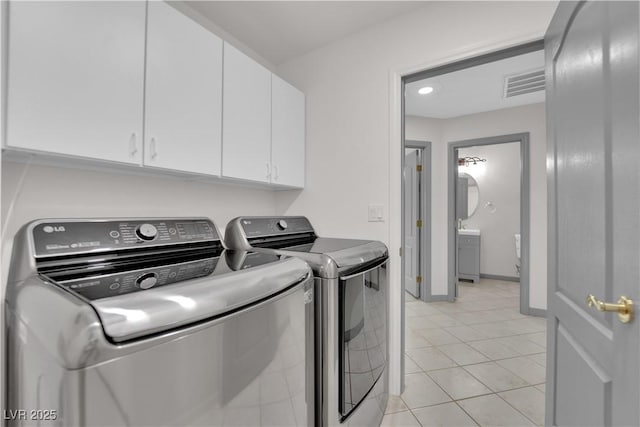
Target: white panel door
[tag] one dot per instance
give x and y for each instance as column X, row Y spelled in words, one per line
column 246, row 126
column 75, row 78
column 183, row 106
column 287, row 134
column 411, row 216
column 593, row 371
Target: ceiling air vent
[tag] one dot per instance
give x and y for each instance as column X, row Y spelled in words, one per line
column 519, row 84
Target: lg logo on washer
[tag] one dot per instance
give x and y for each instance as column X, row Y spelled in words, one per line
column 51, row 229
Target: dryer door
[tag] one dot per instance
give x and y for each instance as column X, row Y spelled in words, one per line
column 363, row 336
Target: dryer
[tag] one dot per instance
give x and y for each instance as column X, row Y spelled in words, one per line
column 351, row 313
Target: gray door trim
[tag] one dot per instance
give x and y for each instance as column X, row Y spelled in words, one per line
column 475, row 61
column 523, row 139
column 425, row 215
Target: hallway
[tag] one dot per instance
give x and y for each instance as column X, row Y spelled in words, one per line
column 477, row 361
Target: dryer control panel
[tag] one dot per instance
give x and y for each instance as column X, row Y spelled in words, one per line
column 270, row 226
column 73, row 237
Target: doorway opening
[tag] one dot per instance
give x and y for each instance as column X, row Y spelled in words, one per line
column 489, row 197
column 473, row 349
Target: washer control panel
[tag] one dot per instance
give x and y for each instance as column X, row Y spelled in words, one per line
column 78, row 237
column 269, row 226
column 97, row 287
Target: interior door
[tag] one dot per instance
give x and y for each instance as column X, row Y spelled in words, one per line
column 411, row 216
column 593, row 138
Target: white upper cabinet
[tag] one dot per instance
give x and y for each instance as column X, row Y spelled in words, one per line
column 78, row 86
column 287, row 134
column 183, row 105
column 246, row 128
column 75, row 78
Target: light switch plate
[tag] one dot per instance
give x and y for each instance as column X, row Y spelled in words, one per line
column 376, row 213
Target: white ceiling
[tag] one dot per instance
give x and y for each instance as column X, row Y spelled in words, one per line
column 282, row 30
column 473, row 90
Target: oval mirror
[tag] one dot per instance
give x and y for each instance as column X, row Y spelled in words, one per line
column 467, row 196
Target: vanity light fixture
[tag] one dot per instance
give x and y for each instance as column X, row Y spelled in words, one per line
column 466, row 161
column 425, row 90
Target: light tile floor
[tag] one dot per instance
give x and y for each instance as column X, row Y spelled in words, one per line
column 477, row 361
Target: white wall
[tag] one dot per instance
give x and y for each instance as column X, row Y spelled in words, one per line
column 499, row 183
column 350, row 86
column 529, row 118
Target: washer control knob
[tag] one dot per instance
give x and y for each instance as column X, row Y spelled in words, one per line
column 147, row 232
column 147, row 281
column 282, row 224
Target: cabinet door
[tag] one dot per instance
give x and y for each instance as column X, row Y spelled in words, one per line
column 469, row 255
column 75, row 78
column 246, row 128
column 287, row 134
column 183, row 105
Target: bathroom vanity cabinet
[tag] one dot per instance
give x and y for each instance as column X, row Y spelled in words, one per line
column 469, row 256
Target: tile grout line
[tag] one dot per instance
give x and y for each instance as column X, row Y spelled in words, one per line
column 516, row 409
column 438, row 312
column 472, row 364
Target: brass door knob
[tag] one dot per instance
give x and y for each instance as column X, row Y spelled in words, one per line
column 624, row 307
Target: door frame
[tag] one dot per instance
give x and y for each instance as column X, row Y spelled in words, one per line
column 425, row 212
column 525, row 215
column 398, row 77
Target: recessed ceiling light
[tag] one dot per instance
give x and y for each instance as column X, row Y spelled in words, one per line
column 425, row 90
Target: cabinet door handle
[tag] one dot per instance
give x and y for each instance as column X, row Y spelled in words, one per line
column 268, row 165
column 133, row 147
column 275, row 172
column 154, row 152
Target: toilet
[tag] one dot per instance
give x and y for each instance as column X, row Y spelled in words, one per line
column 517, row 237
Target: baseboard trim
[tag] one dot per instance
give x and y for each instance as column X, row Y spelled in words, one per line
column 499, row 277
column 436, row 298
column 538, row 312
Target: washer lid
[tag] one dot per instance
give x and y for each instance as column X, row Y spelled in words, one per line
column 134, row 315
column 354, row 256
column 331, row 258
